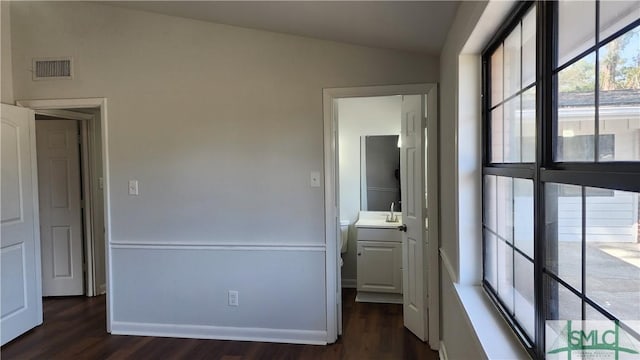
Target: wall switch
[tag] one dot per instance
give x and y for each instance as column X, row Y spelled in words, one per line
column 233, row 298
column 314, row 181
column 133, row 187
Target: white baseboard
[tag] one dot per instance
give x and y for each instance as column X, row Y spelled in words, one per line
column 349, row 283
column 443, row 351
column 290, row 336
column 102, row 289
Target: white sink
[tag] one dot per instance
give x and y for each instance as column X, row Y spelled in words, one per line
column 378, row 219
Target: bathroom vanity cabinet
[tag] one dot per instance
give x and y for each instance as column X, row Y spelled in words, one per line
column 379, row 262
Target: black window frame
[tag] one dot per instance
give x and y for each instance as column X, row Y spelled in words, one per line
column 620, row 175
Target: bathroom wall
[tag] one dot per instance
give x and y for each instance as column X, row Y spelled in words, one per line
column 359, row 117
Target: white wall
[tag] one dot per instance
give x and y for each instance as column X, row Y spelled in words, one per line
column 221, row 126
column 359, row 117
column 461, row 176
column 454, row 322
column 6, row 78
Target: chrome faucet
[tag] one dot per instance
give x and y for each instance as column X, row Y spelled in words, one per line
column 391, row 217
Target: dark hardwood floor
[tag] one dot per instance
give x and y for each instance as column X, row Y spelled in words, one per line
column 74, row 328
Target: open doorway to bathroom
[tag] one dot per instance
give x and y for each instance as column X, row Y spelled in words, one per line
column 369, row 179
column 376, row 159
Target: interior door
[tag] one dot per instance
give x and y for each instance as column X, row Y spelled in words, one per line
column 60, row 207
column 412, row 178
column 20, row 295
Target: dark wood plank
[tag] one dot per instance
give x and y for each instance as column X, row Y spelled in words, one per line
column 74, row 328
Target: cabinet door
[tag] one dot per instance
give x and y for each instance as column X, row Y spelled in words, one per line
column 379, row 266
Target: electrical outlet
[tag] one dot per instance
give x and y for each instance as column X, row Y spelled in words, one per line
column 233, row 298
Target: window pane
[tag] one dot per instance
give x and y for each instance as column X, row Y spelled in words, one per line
column 529, row 125
column 563, row 208
column 529, row 47
column 613, row 251
column 614, row 15
column 496, row 76
column 490, row 259
column 592, row 314
column 505, row 208
column 490, row 205
column 505, row 274
column 561, row 304
column 524, row 294
column 512, row 62
column 512, row 130
column 576, row 28
column 619, row 98
column 576, row 111
column 497, row 135
column 523, row 215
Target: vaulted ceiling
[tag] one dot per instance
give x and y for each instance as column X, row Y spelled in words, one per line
column 419, row 26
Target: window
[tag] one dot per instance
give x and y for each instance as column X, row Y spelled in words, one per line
column 561, row 167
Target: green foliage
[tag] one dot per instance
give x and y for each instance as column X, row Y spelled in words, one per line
column 619, row 67
column 579, row 77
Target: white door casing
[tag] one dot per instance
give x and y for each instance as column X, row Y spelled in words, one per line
column 338, row 231
column 84, row 103
column 60, row 207
column 20, row 292
column 332, row 235
column 412, row 179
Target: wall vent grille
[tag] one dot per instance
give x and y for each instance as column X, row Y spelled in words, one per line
column 52, row 68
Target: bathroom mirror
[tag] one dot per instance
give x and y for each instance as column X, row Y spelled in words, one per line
column 379, row 172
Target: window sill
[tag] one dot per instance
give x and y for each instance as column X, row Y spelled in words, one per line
column 494, row 334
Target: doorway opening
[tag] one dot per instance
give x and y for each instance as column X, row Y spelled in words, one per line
column 70, row 183
column 95, row 119
column 381, row 152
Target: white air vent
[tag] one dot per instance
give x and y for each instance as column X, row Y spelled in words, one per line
column 52, row 68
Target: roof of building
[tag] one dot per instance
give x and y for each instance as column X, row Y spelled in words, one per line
column 606, row 97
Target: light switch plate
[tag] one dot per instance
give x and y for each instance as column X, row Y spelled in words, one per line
column 314, row 181
column 133, row 187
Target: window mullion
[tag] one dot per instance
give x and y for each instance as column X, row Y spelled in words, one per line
column 545, row 141
column 596, row 115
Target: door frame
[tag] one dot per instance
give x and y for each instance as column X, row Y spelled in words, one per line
column 332, row 236
column 87, row 195
column 101, row 103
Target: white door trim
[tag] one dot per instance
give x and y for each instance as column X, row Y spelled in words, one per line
column 57, row 104
column 64, row 114
column 330, row 95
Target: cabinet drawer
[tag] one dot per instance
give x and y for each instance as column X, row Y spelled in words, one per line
column 372, row 234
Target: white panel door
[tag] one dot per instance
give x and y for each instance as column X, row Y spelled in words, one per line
column 60, row 207
column 412, row 180
column 20, row 295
